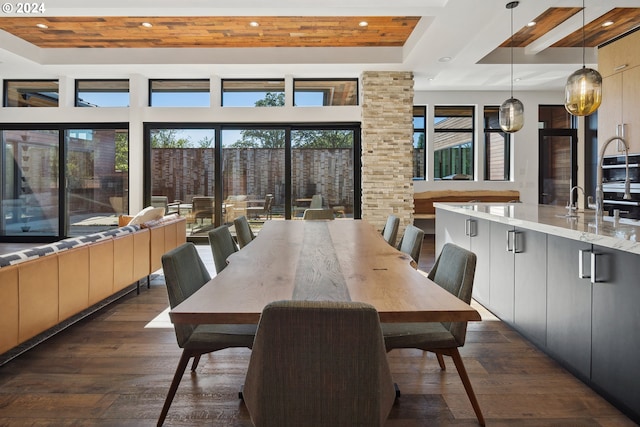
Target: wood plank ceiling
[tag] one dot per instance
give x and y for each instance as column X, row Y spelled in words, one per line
column 624, row 19
column 212, row 32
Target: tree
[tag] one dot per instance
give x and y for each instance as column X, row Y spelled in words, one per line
column 263, row 138
column 122, row 151
column 322, row 139
column 168, row 138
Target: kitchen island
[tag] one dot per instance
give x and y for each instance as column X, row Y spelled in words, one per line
column 571, row 285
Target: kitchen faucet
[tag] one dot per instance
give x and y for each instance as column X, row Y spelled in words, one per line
column 573, row 209
column 627, row 182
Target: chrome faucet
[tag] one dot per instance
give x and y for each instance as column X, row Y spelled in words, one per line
column 571, row 208
column 627, row 182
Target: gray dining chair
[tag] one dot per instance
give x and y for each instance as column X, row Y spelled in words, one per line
column 222, row 246
column 184, row 274
column 390, row 230
column 411, row 243
column 329, row 368
column 454, row 271
column 244, row 234
column 316, row 202
column 318, row 214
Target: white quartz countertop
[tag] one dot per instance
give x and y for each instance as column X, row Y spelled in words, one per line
column 623, row 235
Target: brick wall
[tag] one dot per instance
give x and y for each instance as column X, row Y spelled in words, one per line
column 387, row 146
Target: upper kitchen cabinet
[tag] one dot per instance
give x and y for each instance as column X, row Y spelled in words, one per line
column 619, row 64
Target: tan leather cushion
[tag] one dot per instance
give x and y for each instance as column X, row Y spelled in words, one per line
column 122, row 262
column 73, row 270
column 100, row 270
column 8, row 307
column 38, row 296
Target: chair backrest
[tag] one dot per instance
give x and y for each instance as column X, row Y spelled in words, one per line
column 454, row 271
column 316, row 201
column 318, row 214
column 390, row 230
column 411, row 242
column 318, row 363
column 184, row 273
column 222, row 245
column 159, row 202
column 244, row 234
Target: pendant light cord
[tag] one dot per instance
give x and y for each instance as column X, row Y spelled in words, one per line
column 512, row 51
column 583, row 40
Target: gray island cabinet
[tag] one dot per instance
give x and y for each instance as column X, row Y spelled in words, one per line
column 570, row 285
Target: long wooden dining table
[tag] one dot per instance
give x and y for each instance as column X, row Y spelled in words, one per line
column 340, row 260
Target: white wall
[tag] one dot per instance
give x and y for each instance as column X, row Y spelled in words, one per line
column 524, row 176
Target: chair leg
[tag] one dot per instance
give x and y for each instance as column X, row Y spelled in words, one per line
column 441, row 361
column 194, row 365
column 182, row 364
column 455, row 354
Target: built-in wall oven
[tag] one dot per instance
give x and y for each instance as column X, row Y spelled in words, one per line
column 613, row 177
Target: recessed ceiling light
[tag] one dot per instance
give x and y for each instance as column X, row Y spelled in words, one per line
column 517, row 79
column 254, row 24
column 147, row 24
column 445, row 59
column 363, row 23
column 43, row 26
column 531, row 24
column 607, row 23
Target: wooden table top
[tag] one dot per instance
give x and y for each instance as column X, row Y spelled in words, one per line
column 320, row 260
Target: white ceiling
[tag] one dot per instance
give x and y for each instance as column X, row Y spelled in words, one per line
column 467, row 31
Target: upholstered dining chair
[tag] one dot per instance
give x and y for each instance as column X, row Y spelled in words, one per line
column 318, row 214
column 222, row 245
column 318, row 363
column 454, row 271
column 184, row 274
column 316, row 202
column 390, row 230
column 411, row 243
column 244, row 234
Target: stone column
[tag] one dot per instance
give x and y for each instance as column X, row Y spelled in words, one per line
column 387, row 145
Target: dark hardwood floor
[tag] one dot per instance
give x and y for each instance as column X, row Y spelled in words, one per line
column 114, row 369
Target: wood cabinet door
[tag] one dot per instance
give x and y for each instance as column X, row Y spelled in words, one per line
column 631, row 108
column 610, row 112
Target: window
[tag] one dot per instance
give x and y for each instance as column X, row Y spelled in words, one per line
column 496, row 147
column 325, row 92
column 453, row 143
column 31, row 93
column 179, row 93
column 419, row 142
column 102, row 93
column 253, row 93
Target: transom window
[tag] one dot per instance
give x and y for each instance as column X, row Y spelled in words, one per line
column 325, row 92
column 179, row 93
column 102, row 93
column 31, row 93
column 253, row 93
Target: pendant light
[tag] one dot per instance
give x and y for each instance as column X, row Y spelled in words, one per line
column 583, row 92
column 511, row 113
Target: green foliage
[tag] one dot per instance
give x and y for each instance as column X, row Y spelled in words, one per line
column 122, row 151
column 322, row 139
column 168, row 138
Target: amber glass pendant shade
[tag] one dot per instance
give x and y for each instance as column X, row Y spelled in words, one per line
column 511, row 115
column 583, row 92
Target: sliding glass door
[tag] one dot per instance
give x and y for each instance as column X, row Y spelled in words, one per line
column 60, row 181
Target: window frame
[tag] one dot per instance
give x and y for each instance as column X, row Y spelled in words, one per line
column 487, row 131
column 78, row 82
column 208, row 91
column 356, row 97
column 5, row 91
column 423, row 130
column 471, row 131
column 251, row 90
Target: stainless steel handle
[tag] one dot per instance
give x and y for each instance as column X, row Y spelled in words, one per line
column 620, row 166
column 517, row 237
column 620, row 67
column 509, row 247
column 470, row 227
column 593, row 267
column 581, row 272
column 621, row 202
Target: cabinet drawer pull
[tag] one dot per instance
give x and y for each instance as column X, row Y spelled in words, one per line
column 518, row 247
column 509, row 246
column 470, row 227
column 581, row 273
column 594, row 277
column 620, row 67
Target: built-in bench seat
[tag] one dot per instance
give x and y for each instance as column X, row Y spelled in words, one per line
column 44, row 286
column 423, row 201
